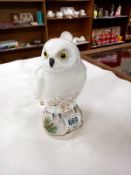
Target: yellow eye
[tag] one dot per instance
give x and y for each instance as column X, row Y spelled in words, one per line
column 45, row 54
column 63, row 55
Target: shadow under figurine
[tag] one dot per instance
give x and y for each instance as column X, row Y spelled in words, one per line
column 59, row 80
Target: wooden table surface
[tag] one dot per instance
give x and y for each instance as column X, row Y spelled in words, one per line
column 87, row 55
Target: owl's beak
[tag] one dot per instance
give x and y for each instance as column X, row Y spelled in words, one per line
column 51, row 62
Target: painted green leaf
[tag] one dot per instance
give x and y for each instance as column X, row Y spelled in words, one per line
column 50, row 126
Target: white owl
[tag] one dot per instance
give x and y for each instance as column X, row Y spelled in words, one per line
column 61, row 76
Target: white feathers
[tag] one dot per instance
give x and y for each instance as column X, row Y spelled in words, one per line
column 67, row 35
column 63, row 73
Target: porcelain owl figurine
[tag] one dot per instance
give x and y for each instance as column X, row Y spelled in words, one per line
column 59, row 81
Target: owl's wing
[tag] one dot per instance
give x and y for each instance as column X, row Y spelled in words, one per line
column 38, row 83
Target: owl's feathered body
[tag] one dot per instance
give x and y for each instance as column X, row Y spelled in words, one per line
column 60, row 84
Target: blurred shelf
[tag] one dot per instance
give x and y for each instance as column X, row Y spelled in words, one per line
column 57, row 19
column 110, row 44
column 21, row 33
column 20, row 27
column 22, row 48
column 34, row 46
column 68, row 0
column 128, row 39
column 83, row 43
column 21, row 0
column 111, row 18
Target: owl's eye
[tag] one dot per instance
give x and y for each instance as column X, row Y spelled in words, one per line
column 45, row 54
column 63, row 55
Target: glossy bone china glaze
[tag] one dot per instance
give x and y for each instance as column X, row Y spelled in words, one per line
column 59, row 80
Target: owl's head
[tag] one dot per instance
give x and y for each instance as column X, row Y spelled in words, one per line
column 59, row 54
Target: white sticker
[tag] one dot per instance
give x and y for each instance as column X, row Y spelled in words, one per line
column 73, row 121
